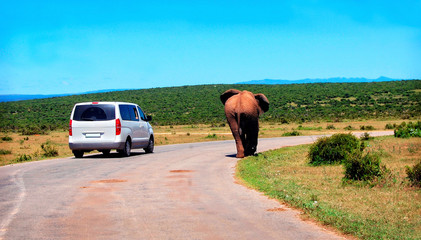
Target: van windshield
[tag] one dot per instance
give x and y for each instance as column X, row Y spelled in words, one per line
column 94, row 112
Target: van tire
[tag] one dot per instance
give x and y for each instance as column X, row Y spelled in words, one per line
column 127, row 148
column 78, row 153
column 150, row 147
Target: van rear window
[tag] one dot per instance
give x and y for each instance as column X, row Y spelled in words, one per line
column 97, row 112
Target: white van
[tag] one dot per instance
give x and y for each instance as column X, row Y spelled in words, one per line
column 104, row 126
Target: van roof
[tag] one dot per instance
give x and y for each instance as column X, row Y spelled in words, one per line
column 94, row 102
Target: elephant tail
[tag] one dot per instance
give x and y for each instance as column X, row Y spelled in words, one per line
column 242, row 122
column 238, row 119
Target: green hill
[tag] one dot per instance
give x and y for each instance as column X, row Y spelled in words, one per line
column 201, row 104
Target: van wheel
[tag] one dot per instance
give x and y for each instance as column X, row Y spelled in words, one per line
column 127, row 149
column 149, row 148
column 78, row 153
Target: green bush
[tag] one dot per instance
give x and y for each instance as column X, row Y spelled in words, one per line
column 300, row 127
column 293, row 133
column 365, row 137
column 369, row 127
column 7, row 138
column 349, row 127
column 5, row 152
column 329, row 127
column 414, row 174
column 23, row 158
column 362, row 167
column 390, row 126
column 49, row 150
column 283, row 121
column 408, row 130
column 334, row 149
column 33, row 130
column 211, row 136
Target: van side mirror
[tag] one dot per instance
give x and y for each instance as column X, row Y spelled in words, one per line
column 148, row 118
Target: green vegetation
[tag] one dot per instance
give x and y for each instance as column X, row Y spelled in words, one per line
column 414, row 174
column 363, row 166
column 390, row 209
column 292, row 133
column 300, row 127
column 348, row 150
column 349, row 128
column 200, row 104
column 23, row 158
column 334, row 149
column 408, row 130
column 7, row 139
column 5, row 152
column 365, row 136
column 211, row 136
column 49, row 150
column 368, row 127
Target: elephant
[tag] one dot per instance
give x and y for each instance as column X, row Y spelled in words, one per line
column 242, row 109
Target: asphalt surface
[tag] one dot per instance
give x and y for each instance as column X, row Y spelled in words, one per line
column 185, row 191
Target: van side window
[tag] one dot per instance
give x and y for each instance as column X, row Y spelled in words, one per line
column 142, row 115
column 134, row 116
column 129, row 113
column 124, row 112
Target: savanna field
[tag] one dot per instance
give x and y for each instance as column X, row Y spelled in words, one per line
column 387, row 207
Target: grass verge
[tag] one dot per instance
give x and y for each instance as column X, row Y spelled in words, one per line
column 390, row 209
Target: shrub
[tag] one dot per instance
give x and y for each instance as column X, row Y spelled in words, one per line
column 362, row 167
column 390, row 126
column 414, row 174
column 211, row 136
column 330, row 127
column 349, row 127
column 7, row 138
column 293, row 133
column 284, row 121
column 49, row 150
column 369, row 127
column 408, row 130
column 5, row 152
column 300, row 127
column 33, row 130
column 333, row 150
column 365, row 136
column 23, row 158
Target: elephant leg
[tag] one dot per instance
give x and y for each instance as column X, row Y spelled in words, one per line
column 251, row 137
column 237, row 137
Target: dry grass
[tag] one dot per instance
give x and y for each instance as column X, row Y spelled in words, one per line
column 31, row 145
column 165, row 135
column 389, row 210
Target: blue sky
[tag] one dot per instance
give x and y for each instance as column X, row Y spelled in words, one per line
column 50, row 47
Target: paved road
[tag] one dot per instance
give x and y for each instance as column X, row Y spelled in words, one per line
column 184, row 191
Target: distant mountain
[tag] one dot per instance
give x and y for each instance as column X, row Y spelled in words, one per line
column 317, row 80
column 20, row 97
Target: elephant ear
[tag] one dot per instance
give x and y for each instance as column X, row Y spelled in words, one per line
column 262, row 101
column 227, row 94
